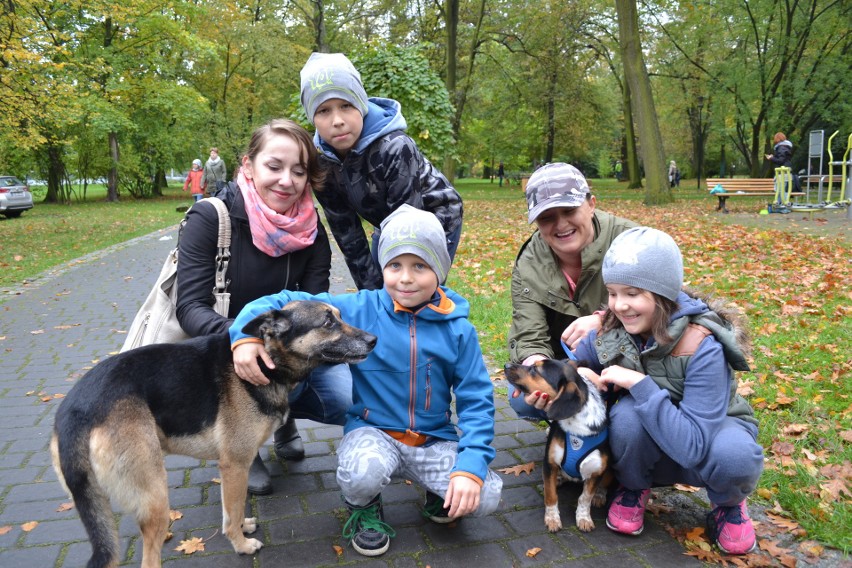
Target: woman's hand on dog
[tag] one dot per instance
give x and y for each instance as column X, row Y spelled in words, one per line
column 579, row 329
column 462, row 497
column 245, row 363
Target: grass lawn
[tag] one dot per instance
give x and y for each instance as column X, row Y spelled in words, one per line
column 794, row 290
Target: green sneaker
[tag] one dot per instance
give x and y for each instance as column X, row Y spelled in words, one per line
column 366, row 529
column 434, row 509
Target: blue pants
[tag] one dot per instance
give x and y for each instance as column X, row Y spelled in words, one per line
column 729, row 472
column 325, row 396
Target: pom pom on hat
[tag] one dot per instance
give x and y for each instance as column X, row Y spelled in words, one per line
column 645, row 258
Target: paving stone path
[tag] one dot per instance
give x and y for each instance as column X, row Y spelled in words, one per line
column 59, row 325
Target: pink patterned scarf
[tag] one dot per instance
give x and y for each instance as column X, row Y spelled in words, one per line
column 278, row 234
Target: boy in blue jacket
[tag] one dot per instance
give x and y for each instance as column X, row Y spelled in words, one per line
column 400, row 423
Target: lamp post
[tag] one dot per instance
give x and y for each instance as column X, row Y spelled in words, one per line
column 700, row 150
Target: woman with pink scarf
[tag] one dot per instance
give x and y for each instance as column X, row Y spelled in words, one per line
column 277, row 243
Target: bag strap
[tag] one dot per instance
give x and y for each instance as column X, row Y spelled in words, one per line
column 223, row 253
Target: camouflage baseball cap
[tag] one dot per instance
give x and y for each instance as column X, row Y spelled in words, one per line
column 555, row 185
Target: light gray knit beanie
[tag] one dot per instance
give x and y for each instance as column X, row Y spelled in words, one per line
column 418, row 232
column 331, row 76
column 645, row 258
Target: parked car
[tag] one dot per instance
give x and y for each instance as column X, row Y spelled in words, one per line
column 15, row 196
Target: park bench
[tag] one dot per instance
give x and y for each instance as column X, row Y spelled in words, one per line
column 743, row 187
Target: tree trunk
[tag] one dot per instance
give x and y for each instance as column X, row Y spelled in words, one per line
column 631, row 166
column 451, row 14
column 320, row 39
column 112, row 177
column 651, row 141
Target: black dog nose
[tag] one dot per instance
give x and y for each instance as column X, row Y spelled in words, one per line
column 371, row 340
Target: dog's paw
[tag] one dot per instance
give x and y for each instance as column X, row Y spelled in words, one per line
column 585, row 523
column 250, row 546
column 249, row 525
column 552, row 519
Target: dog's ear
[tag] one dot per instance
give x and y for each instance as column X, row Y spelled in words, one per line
column 274, row 321
column 572, row 398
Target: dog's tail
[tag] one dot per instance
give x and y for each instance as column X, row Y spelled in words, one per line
column 71, row 462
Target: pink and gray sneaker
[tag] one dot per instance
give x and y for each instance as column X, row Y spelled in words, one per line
column 627, row 511
column 731, row 528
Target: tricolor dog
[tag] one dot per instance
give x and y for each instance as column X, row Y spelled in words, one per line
column 577, row 446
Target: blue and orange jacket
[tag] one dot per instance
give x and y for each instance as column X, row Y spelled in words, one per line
column 420, row 360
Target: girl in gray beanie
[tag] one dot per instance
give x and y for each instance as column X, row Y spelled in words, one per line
column 678, row 418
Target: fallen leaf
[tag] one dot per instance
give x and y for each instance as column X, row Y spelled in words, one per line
column 216, row 480
column 338, row 550
column 533, row 552
column 695, row 534
column 65, row 507
column 4, row 530
column 27, row 527
column 519, row 469
column 687, row 488
column 175, row 515
column 191, row 546
column 37, row 332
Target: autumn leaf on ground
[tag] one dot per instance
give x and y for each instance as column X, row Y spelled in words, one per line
column 175, row 515
column 657, row 509
column 37, row 332
column 831, row 489
column 777, row 552
column 782, row 522
column 65, row 507
column 27, row 527
column 519, row 469
column 338, row 550
column 533, row 552
column 4, row 530
column 216, row 480
column 796, row 430
column 687, row 488
column 191, row 546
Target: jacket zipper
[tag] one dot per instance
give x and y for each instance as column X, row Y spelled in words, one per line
column 412, row 376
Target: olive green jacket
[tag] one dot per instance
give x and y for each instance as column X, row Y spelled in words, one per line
column 541, row 305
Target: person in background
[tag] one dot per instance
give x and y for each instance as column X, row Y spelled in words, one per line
column 678, row 417
column 674, row 175
column 193, row 180
column 556, row 281
column 372, row 167
column 277, row 242
column 215, row 173
column 782, row 155
column 426, row 363
column 501, row 173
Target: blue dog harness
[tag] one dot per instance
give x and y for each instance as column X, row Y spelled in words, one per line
column 577, row 448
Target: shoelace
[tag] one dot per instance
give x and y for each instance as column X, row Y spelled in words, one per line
column 732, row 515
column 434, row 509
column 629, row 498
column 366, row 519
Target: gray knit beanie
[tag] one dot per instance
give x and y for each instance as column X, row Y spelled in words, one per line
column 331, row 76
column 645, row 258
column 418, row 232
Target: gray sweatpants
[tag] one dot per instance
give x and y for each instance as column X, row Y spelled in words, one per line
column 729, row 471
column 368, row 459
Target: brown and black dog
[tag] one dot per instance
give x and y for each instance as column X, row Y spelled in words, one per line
column 577, row 446
column 115, row 426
